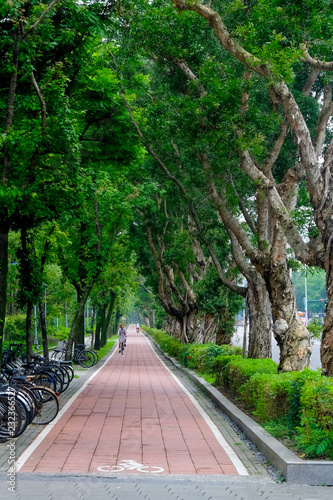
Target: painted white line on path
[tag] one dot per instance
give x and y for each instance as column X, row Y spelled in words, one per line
column 241, row 469
column 26, row 454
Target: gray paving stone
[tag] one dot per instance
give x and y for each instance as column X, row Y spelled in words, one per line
column 53, row 487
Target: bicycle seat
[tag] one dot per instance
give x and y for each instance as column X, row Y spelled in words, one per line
column 11, row 371
column 65, row 363
column 21, row 378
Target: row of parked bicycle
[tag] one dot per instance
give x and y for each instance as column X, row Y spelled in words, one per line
column 29, row 392
column 81, row 355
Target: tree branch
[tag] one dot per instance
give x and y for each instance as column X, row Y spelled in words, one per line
column 228, row 219
column 310, row 81
column 41, row 17
column 224, row 37
column 42, row 102
column 247, row 217
column 183, row 66
column 315, row 63
column 275, row 151
column 325, row 114
column 233, row 286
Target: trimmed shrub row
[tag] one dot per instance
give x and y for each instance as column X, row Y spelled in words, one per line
column 296, row 405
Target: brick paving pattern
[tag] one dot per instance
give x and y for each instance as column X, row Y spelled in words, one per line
column 132, row 413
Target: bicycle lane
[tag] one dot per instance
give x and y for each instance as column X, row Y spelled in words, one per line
column 132, row 415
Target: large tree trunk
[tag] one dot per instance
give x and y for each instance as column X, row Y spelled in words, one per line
column 79, row 336
column 92, row 321
column 99, row 325
column 324, row 221
column 326, row 348
column 291, row 335
column 76, row 328
column 103, row 326
column 28, row 330
column 44, row 331
column 108, row 317
column 259, row 306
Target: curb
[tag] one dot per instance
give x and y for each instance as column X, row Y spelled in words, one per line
column 293, row 469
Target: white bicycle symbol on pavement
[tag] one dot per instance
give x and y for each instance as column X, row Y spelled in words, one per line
column 130, row 465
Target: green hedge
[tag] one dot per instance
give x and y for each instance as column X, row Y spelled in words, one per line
column 297, row 405
column 237, row 371
column 200, row 357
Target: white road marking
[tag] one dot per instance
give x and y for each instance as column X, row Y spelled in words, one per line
column 130, row 465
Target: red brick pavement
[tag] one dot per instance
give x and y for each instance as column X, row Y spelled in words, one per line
column 133, row 412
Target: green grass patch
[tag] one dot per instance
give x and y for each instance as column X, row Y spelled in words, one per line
column 103, row 351
column 208, row 377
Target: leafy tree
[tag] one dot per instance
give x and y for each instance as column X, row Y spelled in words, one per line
column 265, row 54
column 40, row 46
column 180, row 109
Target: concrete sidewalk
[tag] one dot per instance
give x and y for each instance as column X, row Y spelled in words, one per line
column 161, row 487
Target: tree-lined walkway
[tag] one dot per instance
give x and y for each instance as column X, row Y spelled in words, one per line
column 133, row 411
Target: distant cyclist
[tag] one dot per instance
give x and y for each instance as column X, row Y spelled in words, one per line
column 137, row 327
column 122, row 335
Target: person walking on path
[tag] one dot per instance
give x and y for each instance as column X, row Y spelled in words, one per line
column 122, row 335
column 137, row 327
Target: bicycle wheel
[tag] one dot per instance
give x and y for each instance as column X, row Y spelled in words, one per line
column 89, row 360
column 47, row 405
column 17, row 417
column 58, row 376
column 26, row 400
column 94, row 353
column 61, row 355
column 25, row 390
column 10, row 418
column 69, row 370
column 54, row 355
column 65, row 377
column 46, row 379
column 79, row 357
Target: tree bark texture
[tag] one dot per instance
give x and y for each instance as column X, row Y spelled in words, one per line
column 43, row 329
column 199, row 328
column 99, row 325
column 76, row 327
column 326, row 348
column 108, row 316
column 104, row 325
column 259, row 307
column 290, row 333
column 28, row 330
